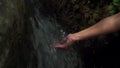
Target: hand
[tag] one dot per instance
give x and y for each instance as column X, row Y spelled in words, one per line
column 66, row 42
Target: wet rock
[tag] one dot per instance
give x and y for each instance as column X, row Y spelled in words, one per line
column 15, row 51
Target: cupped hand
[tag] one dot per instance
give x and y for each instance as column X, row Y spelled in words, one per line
column 66, row 42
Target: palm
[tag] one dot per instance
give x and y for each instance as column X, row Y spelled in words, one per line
column 68, row 41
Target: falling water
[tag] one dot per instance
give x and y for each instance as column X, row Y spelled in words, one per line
column 47, row 32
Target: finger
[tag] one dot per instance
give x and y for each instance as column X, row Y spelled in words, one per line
column 58, row 46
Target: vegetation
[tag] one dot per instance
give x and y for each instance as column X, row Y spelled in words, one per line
column 114, row 6
column 78, row 14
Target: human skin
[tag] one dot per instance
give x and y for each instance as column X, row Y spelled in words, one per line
column 104, row 26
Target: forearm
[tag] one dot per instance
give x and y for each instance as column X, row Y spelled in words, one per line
column 105, row 26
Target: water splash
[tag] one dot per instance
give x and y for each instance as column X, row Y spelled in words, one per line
column 47, row 32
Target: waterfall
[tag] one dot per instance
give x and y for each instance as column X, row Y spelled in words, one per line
column 45, row 33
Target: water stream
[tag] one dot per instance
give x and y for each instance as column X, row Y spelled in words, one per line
column 47, row 32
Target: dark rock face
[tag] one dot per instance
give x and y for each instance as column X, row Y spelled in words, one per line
column 15, row 46
column 8, row 11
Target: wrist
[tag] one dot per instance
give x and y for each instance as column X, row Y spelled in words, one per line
column 76, row 37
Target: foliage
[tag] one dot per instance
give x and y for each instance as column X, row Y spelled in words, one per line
column 77, row 14
column 114, row 7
